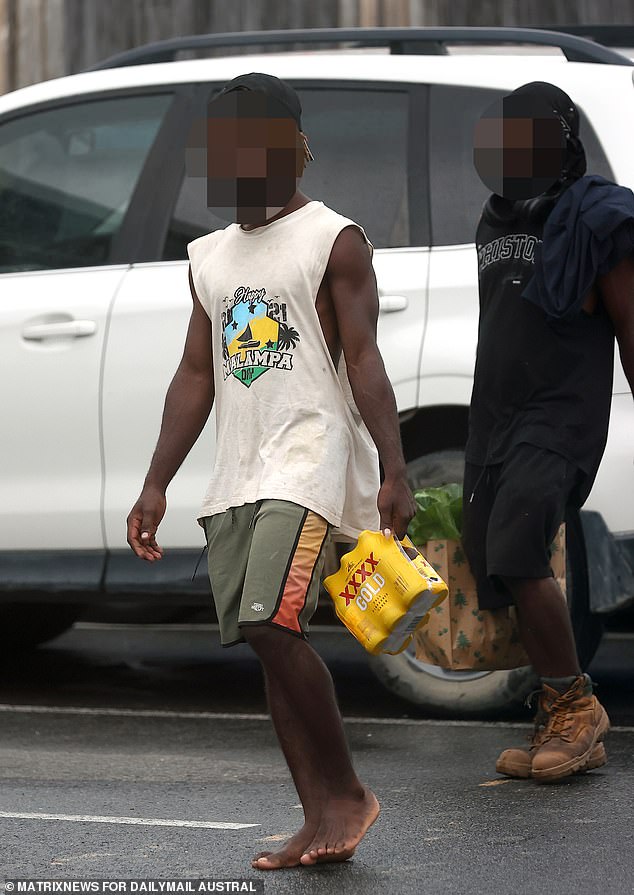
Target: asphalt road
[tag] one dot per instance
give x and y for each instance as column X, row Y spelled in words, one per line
column 183, row 667
column 131, row 752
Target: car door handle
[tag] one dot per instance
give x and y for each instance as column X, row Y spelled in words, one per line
column 390, row 303
column 62, row 329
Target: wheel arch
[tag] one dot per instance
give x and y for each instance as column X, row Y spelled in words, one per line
column 436, row 427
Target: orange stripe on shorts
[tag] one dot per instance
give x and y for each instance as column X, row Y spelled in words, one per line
column 301, row 572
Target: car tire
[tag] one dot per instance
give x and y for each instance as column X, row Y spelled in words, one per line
column 476, row 694
column 439, row 468
column 25, row 625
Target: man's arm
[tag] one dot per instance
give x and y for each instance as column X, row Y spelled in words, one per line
column 617, row 292
column 188, row 404
column 354, row 295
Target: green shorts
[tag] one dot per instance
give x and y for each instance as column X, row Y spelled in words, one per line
column 265, row 563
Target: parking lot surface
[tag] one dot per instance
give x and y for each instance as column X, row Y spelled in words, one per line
column 121, row 782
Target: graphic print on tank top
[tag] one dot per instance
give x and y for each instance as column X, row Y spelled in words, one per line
column 256, row 335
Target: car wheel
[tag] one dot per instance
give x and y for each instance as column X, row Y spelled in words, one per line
column 25, row 625
column 475, row 694
column 435, row 469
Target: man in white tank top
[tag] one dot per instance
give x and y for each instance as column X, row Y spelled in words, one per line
column 282, row 338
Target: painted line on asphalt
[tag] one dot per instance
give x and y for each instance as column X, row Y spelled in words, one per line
column 255, row 716
column 237, row 716
column 139, row 821
column 186, row 627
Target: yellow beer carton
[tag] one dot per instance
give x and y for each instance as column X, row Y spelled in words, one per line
column 383, row 591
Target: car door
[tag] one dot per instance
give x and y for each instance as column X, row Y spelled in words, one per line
column 456, row 198
column 370, row 148
column 146, row 336
column 68, row 171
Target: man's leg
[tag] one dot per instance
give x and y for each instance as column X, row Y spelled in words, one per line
column 532, row 493
column 545, row 626
column 338, row 809
column 574, row 723
column 280, row 594
column 511, row 513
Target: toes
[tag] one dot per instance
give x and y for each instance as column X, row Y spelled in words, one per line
column 266, row 863
column 337, row 850
column 311, row 855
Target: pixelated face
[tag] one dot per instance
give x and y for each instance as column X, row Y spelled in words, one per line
column 254, row 156
column 519, row 147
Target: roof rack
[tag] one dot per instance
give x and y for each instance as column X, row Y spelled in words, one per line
column 401, row 41
column 607, row 35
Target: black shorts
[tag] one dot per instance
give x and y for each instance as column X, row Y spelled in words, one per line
column 511, row 514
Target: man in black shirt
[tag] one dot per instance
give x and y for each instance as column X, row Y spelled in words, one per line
column 542, row 391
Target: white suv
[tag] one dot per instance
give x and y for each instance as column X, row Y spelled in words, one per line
column 95, row 214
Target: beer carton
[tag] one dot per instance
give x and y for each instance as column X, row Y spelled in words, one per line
column 383, row 591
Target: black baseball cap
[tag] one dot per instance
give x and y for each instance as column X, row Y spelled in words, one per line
column 270, row 85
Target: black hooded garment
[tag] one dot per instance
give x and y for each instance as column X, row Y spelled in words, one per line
column 538, row 380
column 590, row 229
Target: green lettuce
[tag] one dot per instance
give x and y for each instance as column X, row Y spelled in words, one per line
column 438, row 514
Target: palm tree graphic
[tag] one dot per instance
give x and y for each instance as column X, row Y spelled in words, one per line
column 288, row 337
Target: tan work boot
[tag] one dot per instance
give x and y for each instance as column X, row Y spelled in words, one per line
column 517, row 762
column 576, row 723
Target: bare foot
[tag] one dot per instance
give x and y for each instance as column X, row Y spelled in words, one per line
column 289, row 854
column 343, row 825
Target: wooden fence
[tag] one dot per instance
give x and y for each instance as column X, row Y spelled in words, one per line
column 41, row 39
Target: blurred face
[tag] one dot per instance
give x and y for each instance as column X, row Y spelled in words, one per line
column 519, row 148
column 255, row 157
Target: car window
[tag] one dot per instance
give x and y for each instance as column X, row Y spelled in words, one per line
column 457, row 193
column 66, row 178
column 359, row 139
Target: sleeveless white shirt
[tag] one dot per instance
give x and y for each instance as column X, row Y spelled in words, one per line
column 287, row 427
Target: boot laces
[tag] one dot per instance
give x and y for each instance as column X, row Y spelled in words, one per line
column 536, row 738
column 529, row 702
column 560, row 719
column 541, row 718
